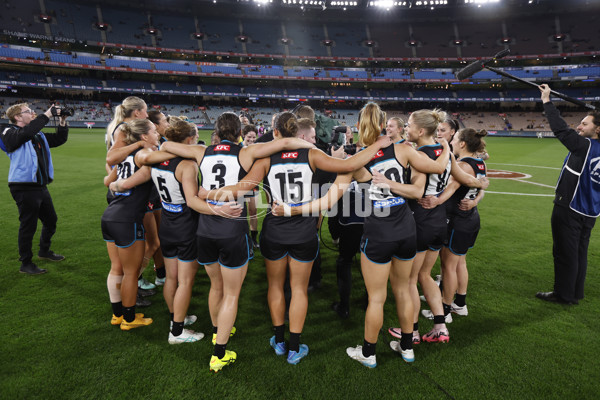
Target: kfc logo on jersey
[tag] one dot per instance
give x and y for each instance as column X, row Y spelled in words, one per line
column 285, row 156
column 222, row 147
column 438, row 152
column 378, row 154
column 165, row 163
column 481, row 167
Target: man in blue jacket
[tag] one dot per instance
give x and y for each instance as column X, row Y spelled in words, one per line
column 576, row 203
column 30, row 171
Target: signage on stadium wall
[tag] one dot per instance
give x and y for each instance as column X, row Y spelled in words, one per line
column 38, row 36
column 538, row 134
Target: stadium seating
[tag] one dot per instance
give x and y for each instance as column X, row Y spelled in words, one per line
column 127, row 63
column 175, row 31
column 348, row 39
column 272, row 70
column 74, row 20
column 127, row 26
column 176, row 66
column 306, row 39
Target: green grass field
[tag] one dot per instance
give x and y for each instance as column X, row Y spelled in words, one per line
column 58, row 343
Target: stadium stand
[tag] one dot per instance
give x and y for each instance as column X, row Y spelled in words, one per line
column 20, row 19
column 348, row 40
column 306, row 39
column 264, row 37
column 347, row 74
column 126, row 62
column 175, row 31
column 30, row 53
column 221, row 69
column 270, row 70
column 74, row 20
column 127, row 26
column 220, row 35
column 176, row 66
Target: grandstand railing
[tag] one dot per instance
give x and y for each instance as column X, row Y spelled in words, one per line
column 325, row 58
column 7, row 84
column 232, row 75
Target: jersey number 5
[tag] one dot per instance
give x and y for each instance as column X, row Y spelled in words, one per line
column 164, row 192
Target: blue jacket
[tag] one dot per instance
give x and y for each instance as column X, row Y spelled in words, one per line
column 25, row 160
column 578, row 186
column 24, row 163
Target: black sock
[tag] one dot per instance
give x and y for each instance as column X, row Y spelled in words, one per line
column 279, row 331
column 172, row 316
column 442, row 286
column 406, row 341
column 161, row 273
column 294, row 342
column 416, row 326
column 129, row 313
column 220, row 350
column 447, row 309
column 439, row 319
column 253, row 234
column 368, row 349
column 117, row 309
column 177, row 328
column 215, row 329
column 460, row 299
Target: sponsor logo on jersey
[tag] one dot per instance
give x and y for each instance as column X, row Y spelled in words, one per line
column 150, row 206
column 165, row 163
column 174, row 208
column 394, row 201
column 222, row 147
column 289, row 155
column 438, row 152
column 378, row 154
column 481, row 167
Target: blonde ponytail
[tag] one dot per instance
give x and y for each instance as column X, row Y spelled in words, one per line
column 369, row 124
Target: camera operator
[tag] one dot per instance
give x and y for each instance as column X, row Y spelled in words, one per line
column 30, row 171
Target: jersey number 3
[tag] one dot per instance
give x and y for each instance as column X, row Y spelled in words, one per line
column 219, row 170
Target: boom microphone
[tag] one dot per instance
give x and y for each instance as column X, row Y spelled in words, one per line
column 478, row 65
column 469, row 70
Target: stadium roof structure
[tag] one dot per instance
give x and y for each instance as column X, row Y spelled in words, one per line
column 360, row 9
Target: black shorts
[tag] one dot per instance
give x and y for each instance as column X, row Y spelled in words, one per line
column 382, row 252
column 123, row 234
column 430, row 237
column 462, row 231
column 303, row 252
column 154, row 202
column 231, row 253
column 184, row 251
column 459, row 242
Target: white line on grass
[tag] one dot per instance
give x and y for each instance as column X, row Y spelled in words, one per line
column 533, row 183
column 520, row 194
column 530, row 166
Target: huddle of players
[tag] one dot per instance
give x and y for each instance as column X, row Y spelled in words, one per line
column 217, row 237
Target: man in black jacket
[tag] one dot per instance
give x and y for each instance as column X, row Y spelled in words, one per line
column 576, row 204
column 30, row 171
